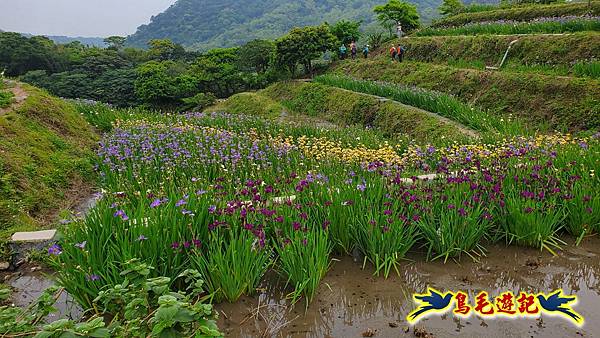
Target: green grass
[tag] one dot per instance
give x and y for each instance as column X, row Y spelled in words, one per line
column 46, row 152
column 438, row 103
column 250, row 104
column 6, row 99
column 532, row 50
column 521, row 13
column 587, row 69
column 578, row 25
column 542, row 101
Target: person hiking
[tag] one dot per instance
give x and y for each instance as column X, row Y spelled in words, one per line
column 366, row 51
column 343, row 52
column 399, row 32
column 353, row 50
column 393, row 53
column 401, row 51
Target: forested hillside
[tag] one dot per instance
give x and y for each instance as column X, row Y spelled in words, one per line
column 205, row 24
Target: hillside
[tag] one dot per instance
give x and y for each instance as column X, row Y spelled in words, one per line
column 205, row 24
column 46, row 158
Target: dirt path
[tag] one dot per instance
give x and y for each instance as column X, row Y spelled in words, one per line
column 20, row 95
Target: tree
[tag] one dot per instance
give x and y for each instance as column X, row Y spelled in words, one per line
column 396, row 11
column 347, row 31
column 154, row 85
column 165, row 49
column 256, row 55
column 451, row 7
column 115, row 42
column 303, row 45
column 216, row 71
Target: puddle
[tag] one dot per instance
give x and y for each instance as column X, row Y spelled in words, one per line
column 351, row 301
column 29, row 286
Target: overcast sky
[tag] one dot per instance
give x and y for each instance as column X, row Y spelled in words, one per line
column 78, row 17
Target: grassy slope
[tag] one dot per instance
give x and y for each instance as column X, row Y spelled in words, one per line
column 557, row 102
column 250, row 104
column 45, row 163
column 531, row 49
column 524, row 13
column 345, row 108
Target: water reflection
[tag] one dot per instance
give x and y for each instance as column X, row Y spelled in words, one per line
column 351, row 301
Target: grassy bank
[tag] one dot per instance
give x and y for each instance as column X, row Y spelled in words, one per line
column 523, row 13
column 46, row 161
column 545, row 101
column 549, row 50
column 442, row 104
column 250, row 104
column 550, row 25
column 347, row 108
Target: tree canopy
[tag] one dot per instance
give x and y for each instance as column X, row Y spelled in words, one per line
column 303, row 45
column 347, row 31
column 397, row 11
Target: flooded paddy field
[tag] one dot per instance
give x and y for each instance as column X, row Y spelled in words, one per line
column 353, row 303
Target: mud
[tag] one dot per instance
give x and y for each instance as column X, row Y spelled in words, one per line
column 353, row 303
column 28, row 286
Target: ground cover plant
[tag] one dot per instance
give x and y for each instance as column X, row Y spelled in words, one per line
column 231, row 202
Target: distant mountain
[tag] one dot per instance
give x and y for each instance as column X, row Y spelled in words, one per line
column 205, row 24
column 89, row 41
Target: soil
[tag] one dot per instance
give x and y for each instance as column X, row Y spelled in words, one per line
column 353, row 303
column 19, row 93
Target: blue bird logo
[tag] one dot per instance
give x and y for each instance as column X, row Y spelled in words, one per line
column 433, row 301
column 557, row 304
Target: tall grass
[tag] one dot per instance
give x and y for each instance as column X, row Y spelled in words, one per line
column 304, row 260
column 510, row 28
column 232, row 263
column 587, row 69
column 438, row 103
column 6, row 99
column 458, row 224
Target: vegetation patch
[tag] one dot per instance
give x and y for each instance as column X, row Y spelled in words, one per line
column 522, row 13
column 6, row 97
column 344, row 107
column 545, row 101
column 46, row 161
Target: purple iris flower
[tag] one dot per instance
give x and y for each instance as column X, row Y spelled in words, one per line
column 55, row 250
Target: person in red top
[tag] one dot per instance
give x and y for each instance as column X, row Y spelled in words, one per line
column 393, row 53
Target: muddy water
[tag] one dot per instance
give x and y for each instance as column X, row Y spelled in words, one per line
column 27, row 287
column 353, row 303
